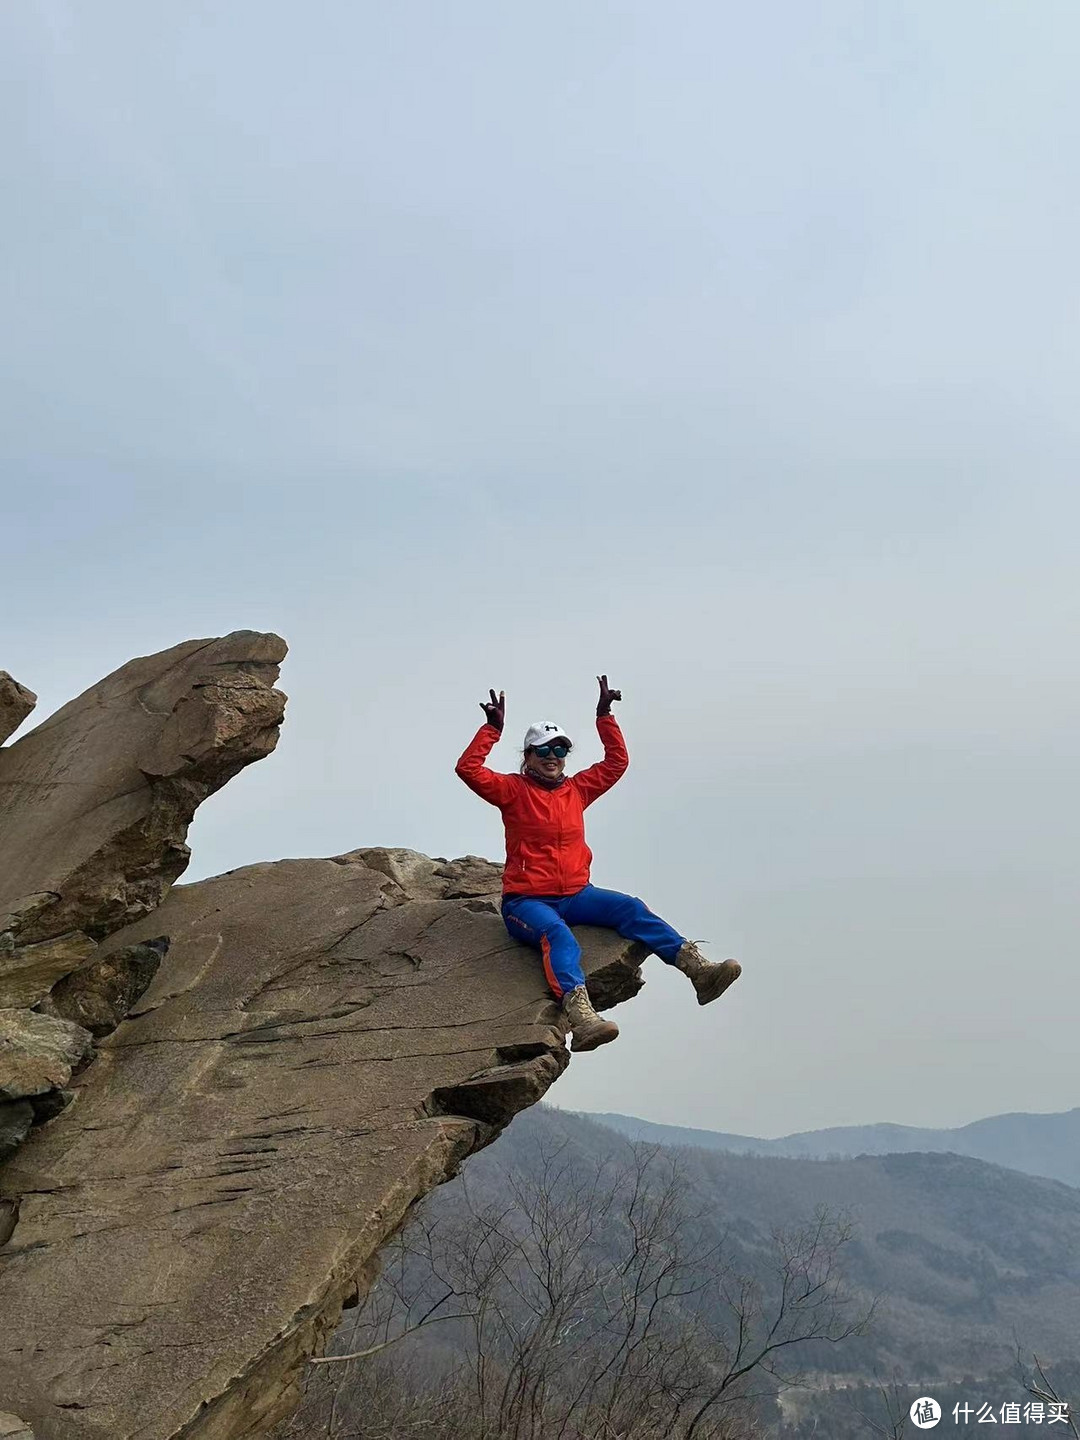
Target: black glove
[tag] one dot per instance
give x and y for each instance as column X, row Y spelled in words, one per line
column 495, row 710
column 603, row 705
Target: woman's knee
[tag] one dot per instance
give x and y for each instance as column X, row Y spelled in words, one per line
column 633, row 908
column 555, row 936
column 561, row 939
column 520, row 929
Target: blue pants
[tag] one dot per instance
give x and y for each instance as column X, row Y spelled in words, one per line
column 544, row 921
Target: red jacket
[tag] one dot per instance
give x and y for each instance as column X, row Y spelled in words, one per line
column 546, row 852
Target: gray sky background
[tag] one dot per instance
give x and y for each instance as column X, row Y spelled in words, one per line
column 730, row 349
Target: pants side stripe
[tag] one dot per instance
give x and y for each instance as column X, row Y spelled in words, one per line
column 545, row 953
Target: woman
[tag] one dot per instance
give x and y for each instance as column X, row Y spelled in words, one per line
column 546, row 886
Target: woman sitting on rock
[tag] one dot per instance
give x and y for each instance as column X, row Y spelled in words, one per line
column 546, row 886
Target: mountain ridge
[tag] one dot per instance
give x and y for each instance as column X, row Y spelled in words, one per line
column 961, row 1259
column 1042, row 1144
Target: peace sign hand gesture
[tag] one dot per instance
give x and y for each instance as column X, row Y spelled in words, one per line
column 495, row 709
column 603, row 705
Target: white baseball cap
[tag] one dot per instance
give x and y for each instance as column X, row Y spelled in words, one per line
column 545, row 732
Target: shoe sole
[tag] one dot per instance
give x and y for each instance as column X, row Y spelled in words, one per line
column 728, row 973
column 603, row 1038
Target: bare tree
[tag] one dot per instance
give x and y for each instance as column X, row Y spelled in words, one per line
column 591, row 1303
column 895, row 1412
column 1039, row 1388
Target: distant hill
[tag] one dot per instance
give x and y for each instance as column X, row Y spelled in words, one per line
column 966, row 1253
column 966, row 1259
column 1046, row 1145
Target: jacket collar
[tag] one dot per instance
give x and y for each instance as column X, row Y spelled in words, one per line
column 544, row 784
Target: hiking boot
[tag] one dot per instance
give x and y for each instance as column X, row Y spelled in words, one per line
column 589, row 1030
column 710, row 978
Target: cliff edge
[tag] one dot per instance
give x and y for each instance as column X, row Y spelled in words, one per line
column 322, row 1043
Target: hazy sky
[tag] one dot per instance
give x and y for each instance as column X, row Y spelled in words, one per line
column 731, row 349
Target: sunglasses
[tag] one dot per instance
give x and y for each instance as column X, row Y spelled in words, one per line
column 560, row 752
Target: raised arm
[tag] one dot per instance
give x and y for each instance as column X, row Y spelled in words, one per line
column 597, row 778
column 495, row 789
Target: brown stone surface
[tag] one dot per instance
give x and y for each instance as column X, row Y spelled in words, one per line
column 95, row 802
column 16, row 1117
column 98, row 996
column 324, row 1042
column 27, row 972
column 38, row 1053
column 16, row 702
column 12, row 1428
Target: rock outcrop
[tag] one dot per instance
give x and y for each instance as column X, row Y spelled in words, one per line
column 310, row 1046
column 96, row 801
column 94, row 809
column 16, row 702
column 38, row 1053
column 325, row 1041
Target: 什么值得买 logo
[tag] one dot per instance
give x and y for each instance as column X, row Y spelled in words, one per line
column 925, row 1413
